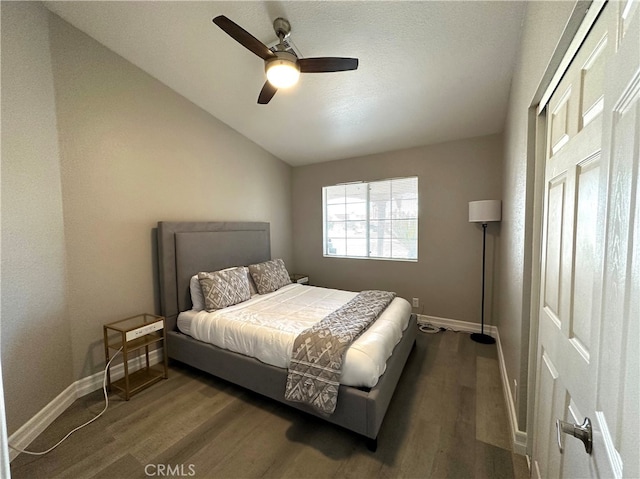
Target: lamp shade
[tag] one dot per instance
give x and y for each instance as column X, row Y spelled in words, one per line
column 485, row 211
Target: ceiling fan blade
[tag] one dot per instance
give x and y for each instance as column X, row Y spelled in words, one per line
column 327, row 64
column 266, row 94
column 243, row 37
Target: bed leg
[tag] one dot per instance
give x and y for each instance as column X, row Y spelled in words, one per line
column 372, row 444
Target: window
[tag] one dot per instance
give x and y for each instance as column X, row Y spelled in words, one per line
column 371, row 220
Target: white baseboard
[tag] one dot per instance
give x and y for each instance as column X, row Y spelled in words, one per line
column 455, row 324
column 43, row 419
column 38, row 423
column 518, row 437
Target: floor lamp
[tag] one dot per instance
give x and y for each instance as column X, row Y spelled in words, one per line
column 484, row 211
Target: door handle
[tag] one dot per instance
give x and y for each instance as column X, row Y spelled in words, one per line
column 582, row 432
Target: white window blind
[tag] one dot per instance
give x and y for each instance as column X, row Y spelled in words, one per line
column 378, row 219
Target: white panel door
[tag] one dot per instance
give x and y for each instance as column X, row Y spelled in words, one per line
column 588, row 363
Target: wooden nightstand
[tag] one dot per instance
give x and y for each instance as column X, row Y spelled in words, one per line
column 300, row 278
column 132, row 334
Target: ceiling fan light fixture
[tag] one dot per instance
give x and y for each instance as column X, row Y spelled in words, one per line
column 282, row 64
column 282, row 72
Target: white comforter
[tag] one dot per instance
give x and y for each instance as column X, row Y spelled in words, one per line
column 265, row 327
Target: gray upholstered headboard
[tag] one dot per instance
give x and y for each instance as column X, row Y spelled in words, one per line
column 186, row 248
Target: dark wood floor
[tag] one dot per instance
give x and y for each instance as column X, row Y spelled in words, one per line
column 447, row 419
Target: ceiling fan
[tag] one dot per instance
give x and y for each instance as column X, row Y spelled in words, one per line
column 281, row 66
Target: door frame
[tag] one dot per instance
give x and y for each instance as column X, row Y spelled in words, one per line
column 582, row 18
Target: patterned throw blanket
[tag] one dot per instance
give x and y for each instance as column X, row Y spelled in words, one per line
column 316, row 360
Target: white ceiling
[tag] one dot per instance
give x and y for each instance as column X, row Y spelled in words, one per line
column 429, row 71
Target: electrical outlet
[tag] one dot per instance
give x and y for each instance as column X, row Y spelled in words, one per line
column 416, row 302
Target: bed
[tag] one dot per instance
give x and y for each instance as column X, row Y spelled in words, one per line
column 186, row 248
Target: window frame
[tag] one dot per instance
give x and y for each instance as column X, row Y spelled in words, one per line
column 368, row 220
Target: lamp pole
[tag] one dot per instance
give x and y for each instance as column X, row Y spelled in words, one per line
column 481, row 337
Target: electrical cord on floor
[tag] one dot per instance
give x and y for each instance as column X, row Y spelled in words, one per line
column 431, row 329
column 106, row 405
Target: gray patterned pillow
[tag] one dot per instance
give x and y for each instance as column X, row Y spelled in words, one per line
column 269, row 276
column 224, row 288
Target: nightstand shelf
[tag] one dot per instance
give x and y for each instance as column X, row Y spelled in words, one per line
column 133, row 334
column 138, row 380
column 139, row 342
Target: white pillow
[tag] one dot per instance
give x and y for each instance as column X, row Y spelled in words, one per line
column 197, row 298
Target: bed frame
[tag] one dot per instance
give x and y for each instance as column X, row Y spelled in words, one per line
column 184, row 249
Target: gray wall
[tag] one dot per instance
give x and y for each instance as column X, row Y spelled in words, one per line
column 447, row 275
column 36, row 345
column 81, row 202
column 543, row 26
